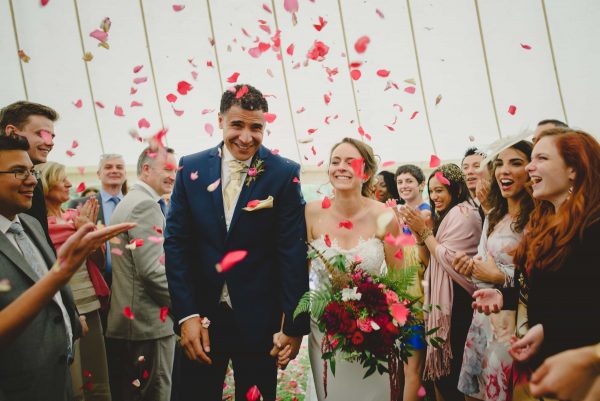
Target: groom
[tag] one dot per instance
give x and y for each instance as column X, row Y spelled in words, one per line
column 256, row 207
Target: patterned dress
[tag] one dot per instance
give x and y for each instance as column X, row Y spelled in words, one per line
column 487, row 366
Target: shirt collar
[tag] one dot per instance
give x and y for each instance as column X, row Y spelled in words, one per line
column 5, row 223
column 148, row 188
column 227, row 157
column 105, row 196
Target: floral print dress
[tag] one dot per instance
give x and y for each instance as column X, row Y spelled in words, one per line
column 487, row 365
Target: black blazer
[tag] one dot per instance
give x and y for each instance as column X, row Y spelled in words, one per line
column 74, row 203
column 39, row 212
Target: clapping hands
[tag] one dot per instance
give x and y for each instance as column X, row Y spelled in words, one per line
column 88, row 213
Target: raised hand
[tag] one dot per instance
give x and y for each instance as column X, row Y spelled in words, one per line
column 524, row 348
column 488, row 300
column 463, row 264
column 195, row 341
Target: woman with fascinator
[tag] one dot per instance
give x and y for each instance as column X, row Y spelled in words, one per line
column 456, row 228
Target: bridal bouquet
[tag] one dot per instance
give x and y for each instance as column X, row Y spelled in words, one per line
column 364, row 317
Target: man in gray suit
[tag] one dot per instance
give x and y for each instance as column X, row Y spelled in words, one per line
column 35, row 365
column 138, row 323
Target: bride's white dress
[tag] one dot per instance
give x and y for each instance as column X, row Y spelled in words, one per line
column 348, row 383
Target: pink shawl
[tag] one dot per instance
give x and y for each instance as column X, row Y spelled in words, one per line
column 59, row 233
column 459, row 231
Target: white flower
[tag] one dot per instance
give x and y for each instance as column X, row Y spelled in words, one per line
column 351, row 294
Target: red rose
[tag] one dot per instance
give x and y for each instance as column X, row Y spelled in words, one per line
column 357, row 338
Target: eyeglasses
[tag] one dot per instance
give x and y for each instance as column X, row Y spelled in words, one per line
column 23, row 174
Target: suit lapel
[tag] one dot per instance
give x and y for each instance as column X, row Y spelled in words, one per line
column 214, row 174
column 247, row 190
column 9, row 250
column 39, row 240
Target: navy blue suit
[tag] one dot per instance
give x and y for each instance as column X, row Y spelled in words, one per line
column 268, row 282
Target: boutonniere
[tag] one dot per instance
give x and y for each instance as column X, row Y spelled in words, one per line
column 256, row 168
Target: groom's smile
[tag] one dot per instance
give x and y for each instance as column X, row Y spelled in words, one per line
column 242, row 131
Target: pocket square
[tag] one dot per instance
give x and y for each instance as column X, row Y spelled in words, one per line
column 256, row 204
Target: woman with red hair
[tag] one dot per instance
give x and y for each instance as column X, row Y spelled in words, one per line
column 557, row 259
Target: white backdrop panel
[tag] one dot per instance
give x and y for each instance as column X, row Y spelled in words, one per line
column 575, row 31
column 10, row 76
column 452, row 65
column 179, row 42
column 56, row 76
column 520, row 77
column 112, row 74
column 391, row 49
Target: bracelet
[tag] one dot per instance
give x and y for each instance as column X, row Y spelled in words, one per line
column 425, row 233
column 420, row 243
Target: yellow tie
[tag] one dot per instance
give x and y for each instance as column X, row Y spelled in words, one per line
column 235, row 183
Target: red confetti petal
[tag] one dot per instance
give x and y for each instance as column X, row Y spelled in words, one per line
column 128, row 313
column 434, row 161
column 320, row 25
column 290, row 50
column 326, row 98
column 137, row 68
column 44, row 2
column 346, row 224
column 145, row 374
column 383, row 73
column 78, row 103
column 135, row 104
column 74, row 144
column 164, row 311
column 361, row 44
column 99, row 104
column 440, row 177
column 358, row 166
column 327, row 241
column 389, row 128
column 178, row 7
column 526, row 47
column 80, row 188
column 119, row 111
column 388, row 163
column 318, row 51
column 269, row 117
column 296, row 180
column 253, row 394
column 171, row 98
column 233, row 78
column 267, row 9
column 326, row 203
column 183, row 87
column 143, row 123
column 231, row 259
column 414, row 115
column 70, row 153
column 355, row 74
column 132, row 91
column 243, row 90
column 410, row 89
column 512, row 110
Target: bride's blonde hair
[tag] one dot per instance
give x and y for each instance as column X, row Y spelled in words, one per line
column 366, row 152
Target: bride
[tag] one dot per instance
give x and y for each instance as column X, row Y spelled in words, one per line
column 348, row 225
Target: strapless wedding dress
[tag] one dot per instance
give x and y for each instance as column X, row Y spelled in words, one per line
column 348, row 383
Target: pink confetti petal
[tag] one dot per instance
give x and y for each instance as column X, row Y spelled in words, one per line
column 81, row 170
column 355, row 74
column 269, row 117
column 241, row 92
column 413, row 115
column 194, row 175
column 74, row 144
column 526, row 47
column 80, row 188
column 361, row 44
column 512, row 109
column 132, row 91
column 137, row 68
column 267, row 9
column 230, row 259
column 347, row 224
column 440, row 177
column 140, row 80
column 178, row 113
column 70, row 153
column 99, row 35
column 206, row 111
column 434, row 161
column 116, row 251
column 255, row 52
column 296, row 180
column 119, row 111
column 214, row 185
column 233, row 78
column 326, row 98
column 379, row 13
column 171, row 98
column 128, row 313
column 99, row 104
column 399, row 312
column 178, row 7
column 275, row 151
column 290, row 50
column 383, row 73
column 155, row 239
column 135, row 104
column 358, row 166
column 388, row 164
column 291, row 6
column 421, row 392
column 78, row 103
column 143, row 123
column 183, row 87
column 208, row 127
column 410, row 89
column 326, row 203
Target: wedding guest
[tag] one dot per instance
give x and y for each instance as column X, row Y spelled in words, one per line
column 35, row 122
column 560, row 272
column 112, row 175
column 410, row 182
column 351, row 203
column 546, row 125
column 89, row 191
column 486, row 362
column 90, row 291
column 456, row 227
column 385, row 187
column 470, row 166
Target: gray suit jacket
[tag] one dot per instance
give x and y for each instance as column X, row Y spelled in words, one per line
column 74, row 204
column 34, row 366
column 139, row 278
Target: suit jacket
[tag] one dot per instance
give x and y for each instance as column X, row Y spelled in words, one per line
column 74, row 203
column 139, row 279
column 40, row 213
column 34, row 366
column 272, row 277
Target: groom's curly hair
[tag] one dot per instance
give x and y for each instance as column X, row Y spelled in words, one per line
column 252, row 99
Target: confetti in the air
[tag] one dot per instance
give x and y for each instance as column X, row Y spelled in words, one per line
column 230, row 259
column 361, row 44
column 512, row 109
column 434, row 161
